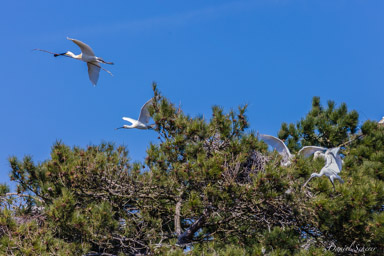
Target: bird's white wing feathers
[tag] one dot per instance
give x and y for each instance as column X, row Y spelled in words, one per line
column 334, row 151
column 333, row 160
column 309, row 150
column 277, row 144
column 144, row 113
column 93, row 72
column 328, row 160
column 132, row 121
column 339, row 161
column 331, row 164
column 85, row 49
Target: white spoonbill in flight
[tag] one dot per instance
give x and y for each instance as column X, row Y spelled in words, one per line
column 331, row 168
column 142, row 123
column 87, row 55
column 283, row 150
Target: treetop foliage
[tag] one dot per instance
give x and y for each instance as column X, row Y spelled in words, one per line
column 328, row 127
column 207, row 187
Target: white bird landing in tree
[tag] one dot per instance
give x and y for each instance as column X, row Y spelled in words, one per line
column 87, row 55
column 332, row 167
column 142, row 123
column 283, row 150
column 323, row 155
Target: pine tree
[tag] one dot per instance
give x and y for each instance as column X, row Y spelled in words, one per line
column 328, row 127
column 207, row 187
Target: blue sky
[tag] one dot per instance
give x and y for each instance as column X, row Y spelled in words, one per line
column 274, row 55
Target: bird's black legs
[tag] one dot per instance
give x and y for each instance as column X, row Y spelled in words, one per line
column 103, row 61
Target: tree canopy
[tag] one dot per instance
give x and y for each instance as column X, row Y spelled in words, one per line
column 207, row 187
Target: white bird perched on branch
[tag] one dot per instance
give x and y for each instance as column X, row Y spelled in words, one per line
column 87, row 55
column 142, row 123
column 283, row 150
column 332, row 167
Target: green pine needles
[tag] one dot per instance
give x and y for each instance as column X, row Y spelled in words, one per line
column 207, row 187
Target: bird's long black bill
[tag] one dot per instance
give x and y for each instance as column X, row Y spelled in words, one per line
column 58, row 54
column 119, row 128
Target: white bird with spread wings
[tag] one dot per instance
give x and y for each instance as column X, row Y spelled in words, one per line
column 87, row 55
column 332, row 167
column 142, row 122
column 283, row 150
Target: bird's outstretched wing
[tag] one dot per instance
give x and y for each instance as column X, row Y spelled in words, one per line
column 144, row 113
column 334, row 151
column 329, row 159
column 85, row 49
column 129, row 120
column 336, row 155
column 309, row 150
column 93, row 72
column 277, row 144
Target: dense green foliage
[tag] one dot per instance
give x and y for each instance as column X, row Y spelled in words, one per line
column 208, row 187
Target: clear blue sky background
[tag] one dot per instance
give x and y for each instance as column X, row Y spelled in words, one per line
column 274, row 55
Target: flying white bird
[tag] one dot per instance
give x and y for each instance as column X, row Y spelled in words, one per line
column 142, row 123
column 87, row 55
column 332, row 167
column 283, row 150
